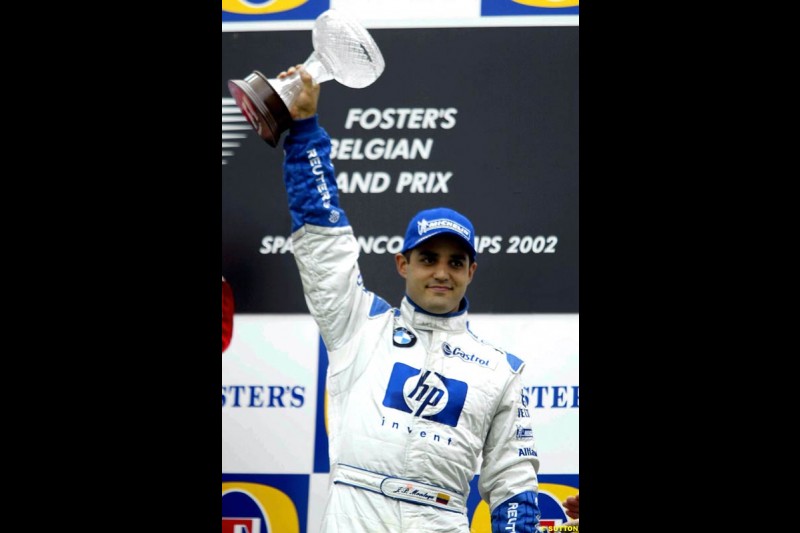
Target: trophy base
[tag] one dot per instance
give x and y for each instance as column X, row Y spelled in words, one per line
column 261, row 106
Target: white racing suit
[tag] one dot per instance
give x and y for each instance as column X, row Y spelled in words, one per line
column 415, row 400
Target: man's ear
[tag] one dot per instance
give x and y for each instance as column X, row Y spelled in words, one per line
column 472, row 268
column 401, row 263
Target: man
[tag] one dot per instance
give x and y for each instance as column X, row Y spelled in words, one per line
column 572, row 507
column 415, row 398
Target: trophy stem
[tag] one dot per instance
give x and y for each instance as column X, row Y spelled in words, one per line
column 315, row 65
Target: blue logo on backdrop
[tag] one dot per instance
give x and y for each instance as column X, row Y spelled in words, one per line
column 403, row 338
column 529, row 7
column 264, row 503
column 426, row 394
column 255, row 10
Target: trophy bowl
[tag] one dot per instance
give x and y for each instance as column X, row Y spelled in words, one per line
column 343, row 50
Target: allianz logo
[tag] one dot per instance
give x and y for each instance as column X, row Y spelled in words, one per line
column 451, row 351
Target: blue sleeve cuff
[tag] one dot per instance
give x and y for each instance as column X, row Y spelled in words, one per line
column 518, row 513
column 304, row 126
column 310, row 178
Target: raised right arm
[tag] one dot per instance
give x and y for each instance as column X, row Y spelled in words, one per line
column 324, row 246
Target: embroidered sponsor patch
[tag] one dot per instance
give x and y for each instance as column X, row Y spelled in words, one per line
column 427, row 394
column 455, row 351
column 524, row 433
column 403, row 338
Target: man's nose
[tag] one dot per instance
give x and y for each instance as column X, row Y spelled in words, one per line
column 441, row 271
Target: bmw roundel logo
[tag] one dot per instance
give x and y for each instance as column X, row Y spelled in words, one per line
column 403, row 338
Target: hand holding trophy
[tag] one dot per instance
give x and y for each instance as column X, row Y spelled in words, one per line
column 343, row 50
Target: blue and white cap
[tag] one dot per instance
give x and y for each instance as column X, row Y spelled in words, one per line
column 436, row 221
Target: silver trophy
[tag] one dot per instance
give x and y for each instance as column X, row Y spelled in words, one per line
column 343, row 50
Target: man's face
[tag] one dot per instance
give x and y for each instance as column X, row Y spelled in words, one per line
column 437, row 273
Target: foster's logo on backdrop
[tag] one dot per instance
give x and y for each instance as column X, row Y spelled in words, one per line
column 529, row 7
column 255, row 10
column 264, row 503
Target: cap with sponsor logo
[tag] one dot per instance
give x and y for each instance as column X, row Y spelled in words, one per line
column 438, row 221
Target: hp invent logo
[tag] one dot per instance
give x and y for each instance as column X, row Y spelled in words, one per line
column 425, row 394
column 234, row 126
